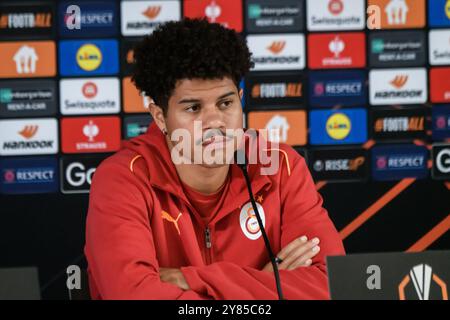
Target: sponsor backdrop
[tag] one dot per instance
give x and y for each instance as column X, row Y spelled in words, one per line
column 368, row 108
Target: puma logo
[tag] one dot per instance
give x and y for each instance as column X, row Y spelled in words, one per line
column 169, row 218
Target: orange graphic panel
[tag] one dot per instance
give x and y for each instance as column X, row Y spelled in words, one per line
column 27, row 59
column 132, row 100
column 283, row 126
column 400, row 14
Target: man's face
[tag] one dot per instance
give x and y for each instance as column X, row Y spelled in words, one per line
column 205, row 109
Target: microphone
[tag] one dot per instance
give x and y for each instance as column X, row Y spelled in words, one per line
column 241, row 160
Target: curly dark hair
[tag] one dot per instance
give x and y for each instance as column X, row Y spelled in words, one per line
column 187, row 49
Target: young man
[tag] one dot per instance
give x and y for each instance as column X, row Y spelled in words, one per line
column 158, row 228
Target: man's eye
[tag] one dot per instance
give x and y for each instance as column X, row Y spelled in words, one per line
column 193, row 108
column 226, row 104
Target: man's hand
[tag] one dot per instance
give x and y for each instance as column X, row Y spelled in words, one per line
column 298, row 253
column 173, row 276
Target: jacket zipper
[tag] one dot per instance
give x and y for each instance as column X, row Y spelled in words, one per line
column 207, row 234
column 208, row 244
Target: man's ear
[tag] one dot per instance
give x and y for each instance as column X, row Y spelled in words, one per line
column 241, row 93
column 157, row 114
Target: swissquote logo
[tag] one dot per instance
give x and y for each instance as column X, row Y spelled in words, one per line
column 398, row 86
column 28, row 137
column 422, row 278
column 439, row 47
column 89, row 96
column 330, row 15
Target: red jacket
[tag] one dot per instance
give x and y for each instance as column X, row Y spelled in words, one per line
column 140, row 220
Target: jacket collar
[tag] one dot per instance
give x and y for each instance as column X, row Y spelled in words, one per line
column 152, row 146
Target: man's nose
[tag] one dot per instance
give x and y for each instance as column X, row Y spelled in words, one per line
column 212, row 118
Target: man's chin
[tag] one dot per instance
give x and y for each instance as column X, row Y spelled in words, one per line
column 213, row 166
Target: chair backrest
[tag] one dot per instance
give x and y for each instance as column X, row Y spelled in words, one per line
column 19, row 284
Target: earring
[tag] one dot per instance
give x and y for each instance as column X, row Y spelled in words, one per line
column 164, row 131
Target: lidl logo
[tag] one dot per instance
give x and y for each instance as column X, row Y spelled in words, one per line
column 89, row 57
column 338, row 126
column 447, row 9
column 344, row 126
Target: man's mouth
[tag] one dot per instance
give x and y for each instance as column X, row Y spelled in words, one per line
column 215, row 140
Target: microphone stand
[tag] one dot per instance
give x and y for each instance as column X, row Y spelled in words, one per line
column 240, row 155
